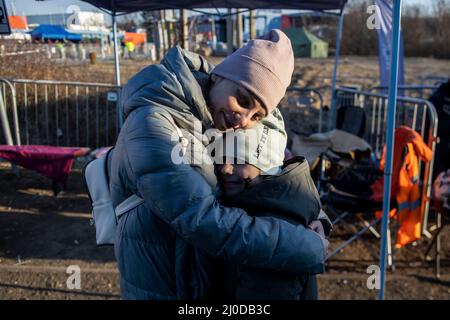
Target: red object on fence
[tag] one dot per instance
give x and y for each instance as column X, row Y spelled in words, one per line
column 53, row 162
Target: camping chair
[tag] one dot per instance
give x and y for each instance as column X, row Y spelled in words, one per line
column 342, row 167
column 345, row 196
column 351, row 119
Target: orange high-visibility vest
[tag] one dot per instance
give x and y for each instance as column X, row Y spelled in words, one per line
column 409, row 147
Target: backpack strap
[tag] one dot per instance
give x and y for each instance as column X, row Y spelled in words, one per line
column 128, row 204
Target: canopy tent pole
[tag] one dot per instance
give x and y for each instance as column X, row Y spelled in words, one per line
column 213, row 31
column 331, row 116
column 392, row 104
column 116, row 66
column 116, row 50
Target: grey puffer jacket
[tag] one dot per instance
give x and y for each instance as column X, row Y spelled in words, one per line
column 167, row 248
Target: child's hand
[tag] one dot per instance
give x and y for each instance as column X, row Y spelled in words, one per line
column 317, row 226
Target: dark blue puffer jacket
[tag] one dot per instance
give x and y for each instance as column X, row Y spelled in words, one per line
column 168, row 247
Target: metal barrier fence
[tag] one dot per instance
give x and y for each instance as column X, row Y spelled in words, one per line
column 8, row 97
column 421, row 91
column 62, row 113
column 302, row 110
column 418, row 114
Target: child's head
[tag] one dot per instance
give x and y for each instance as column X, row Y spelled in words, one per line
column 244, row 156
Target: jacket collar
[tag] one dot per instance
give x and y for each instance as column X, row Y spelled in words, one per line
column 176, row 84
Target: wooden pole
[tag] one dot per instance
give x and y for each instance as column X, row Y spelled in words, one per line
column 239, row 33
column 157, row 35
column 252, row 25
column 184, row 30
column 230, row 33
column 164, row 40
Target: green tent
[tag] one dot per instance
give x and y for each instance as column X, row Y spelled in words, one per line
column 305, row 44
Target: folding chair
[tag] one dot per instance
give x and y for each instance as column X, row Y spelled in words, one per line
column 346, row 197
column 343, row 183
column 351, row 119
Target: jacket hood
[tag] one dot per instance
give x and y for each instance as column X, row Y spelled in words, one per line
column 290, row 195
column 177, row 84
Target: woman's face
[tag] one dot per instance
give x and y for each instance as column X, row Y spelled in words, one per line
column 236, row 177
column 232, row 106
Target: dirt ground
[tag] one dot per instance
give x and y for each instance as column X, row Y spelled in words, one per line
column 42, row 235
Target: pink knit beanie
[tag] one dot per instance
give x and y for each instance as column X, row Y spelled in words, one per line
column 264, row 67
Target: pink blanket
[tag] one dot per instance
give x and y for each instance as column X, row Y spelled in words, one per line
column 53, row 162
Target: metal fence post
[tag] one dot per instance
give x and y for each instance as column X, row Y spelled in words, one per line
column 4, row 121
column 332, row 111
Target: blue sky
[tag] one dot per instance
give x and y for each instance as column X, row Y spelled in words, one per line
column 29, row 7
